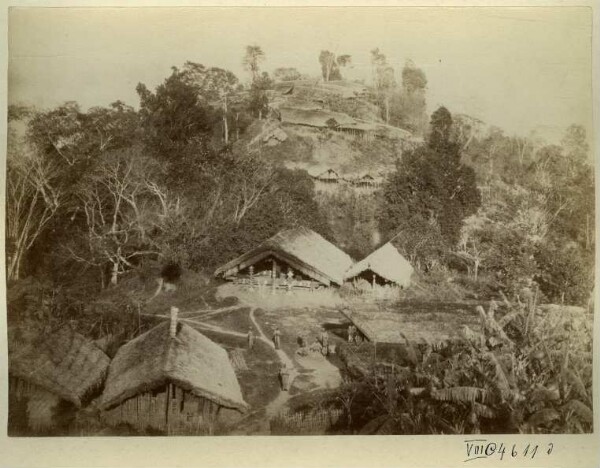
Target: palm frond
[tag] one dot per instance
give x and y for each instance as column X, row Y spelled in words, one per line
column 544, row 394
column 574, row 379
column 501, row 378
column 460, row 394
column 483, row 411
column 580, row 409
column 503, row 321
column 544, row 416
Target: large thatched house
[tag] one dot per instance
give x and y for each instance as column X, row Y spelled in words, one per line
column 383, row 266
column 296, row 256
column 172, row 379
column 51, row 376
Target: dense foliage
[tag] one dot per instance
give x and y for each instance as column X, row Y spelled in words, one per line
column 530, row 371
column 430, row 194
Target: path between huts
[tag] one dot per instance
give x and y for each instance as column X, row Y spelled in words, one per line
column 323, row 375
column 275, row 406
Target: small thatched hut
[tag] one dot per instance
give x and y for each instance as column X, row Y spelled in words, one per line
column 383, row 266
column 309, row 257
column 318, row 118
column 172, row 379
column 50, row 377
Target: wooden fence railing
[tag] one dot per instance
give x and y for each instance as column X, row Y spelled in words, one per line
column 307, row 423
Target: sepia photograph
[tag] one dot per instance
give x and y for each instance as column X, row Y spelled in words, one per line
column 285, row 221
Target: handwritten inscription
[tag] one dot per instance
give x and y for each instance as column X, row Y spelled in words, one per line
column 484, row 448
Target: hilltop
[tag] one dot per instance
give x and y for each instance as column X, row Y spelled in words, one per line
column 318, row 126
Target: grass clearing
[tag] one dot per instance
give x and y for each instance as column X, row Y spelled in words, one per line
column 260, row 384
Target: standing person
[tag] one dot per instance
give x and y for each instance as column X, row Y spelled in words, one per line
column 277, row 338
column 250, row 338
column 324, row 339
column 284, row 377
column 350, row 333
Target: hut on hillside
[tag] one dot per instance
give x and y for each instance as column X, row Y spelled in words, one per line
column 318, row 118
column 384, row 266
column 172, row 379
column 298, row 258
column 327, row 176
column 50, row 377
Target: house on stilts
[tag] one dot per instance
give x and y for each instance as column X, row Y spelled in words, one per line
column 293, row 258
column 50, row 377
column 383, row 267
column 172, row 379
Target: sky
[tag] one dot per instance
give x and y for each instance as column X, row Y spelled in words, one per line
column 521, row 69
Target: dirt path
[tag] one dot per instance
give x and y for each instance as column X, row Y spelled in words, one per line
column 279, row 402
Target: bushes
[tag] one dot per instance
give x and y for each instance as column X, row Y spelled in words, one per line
column 529, row 371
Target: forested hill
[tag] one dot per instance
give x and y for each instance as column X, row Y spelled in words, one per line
column 210, row 166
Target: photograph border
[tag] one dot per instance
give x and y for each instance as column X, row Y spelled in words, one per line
column 279, row 451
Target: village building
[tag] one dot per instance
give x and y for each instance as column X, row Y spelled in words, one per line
column 50, row 377
column 295, row 258
column 385, row 266
column 312, row 117
column 172, row 379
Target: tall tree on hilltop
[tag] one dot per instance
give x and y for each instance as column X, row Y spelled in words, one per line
column 331, row 63
column 258, row 103
column 252, row 60
column 430, row 188
column 216, row 86
column 383, row 80
column 408, row 108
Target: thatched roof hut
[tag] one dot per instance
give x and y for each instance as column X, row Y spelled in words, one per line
column 63, row 363
column 300, row 248
column 319, row 118
column 387, row 263
column 188, row 360
column 328, row 175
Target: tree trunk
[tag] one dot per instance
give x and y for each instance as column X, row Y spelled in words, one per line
column 114, row 273
column 14, row 269
column 225, row 125
column 387, row 109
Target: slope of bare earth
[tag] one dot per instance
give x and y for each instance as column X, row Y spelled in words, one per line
column 302, row 146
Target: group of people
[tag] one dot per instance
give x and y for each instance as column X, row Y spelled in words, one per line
column 284, row 370
column 251, row 338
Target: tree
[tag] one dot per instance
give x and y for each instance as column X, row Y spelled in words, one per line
column 383, row 80
column 258, row 103
column 413, row 78
column 74, row 138
column 122, row 207
column 174, row 114
column 34, row 195
column 330, row 64
column 430, row 185
column 408, row 107
column 252, row 60
column 216, row 86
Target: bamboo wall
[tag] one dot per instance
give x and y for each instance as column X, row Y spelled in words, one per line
column 172, row 410
column 30, row 406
